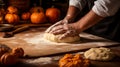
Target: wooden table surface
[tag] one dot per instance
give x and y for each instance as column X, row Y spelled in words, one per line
column 52, row 60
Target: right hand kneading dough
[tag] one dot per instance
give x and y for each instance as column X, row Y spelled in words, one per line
column 103, row 54
column 54, row 38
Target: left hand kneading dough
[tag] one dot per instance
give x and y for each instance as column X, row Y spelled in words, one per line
column 54, row 38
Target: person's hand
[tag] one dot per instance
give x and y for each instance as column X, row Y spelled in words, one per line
column 61, row 22
column 65, row 29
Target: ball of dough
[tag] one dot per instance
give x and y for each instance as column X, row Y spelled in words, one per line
column 54, row 38
column 103, row 54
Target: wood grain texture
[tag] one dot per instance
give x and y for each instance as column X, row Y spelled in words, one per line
column 34, row 45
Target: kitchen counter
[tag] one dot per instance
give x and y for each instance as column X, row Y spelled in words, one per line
column 52, row 60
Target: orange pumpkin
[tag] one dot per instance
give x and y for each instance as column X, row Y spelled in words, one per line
column 18, row 52
column 12, row 18
column 2, row 13
column 1, row 19
column 8, row 59
column 38, row 17
column 12, row 9
column 3, row 50
column 53, row 14
column 36, row 9
column 25, row 16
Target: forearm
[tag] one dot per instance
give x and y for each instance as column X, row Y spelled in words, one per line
column 72, row 13
column 87, row 21
column 101, row 9
column 75, row 6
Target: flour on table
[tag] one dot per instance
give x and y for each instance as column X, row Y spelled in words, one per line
column 38, row 39
column 34, row 40
column 45, row 60
column 26, row 35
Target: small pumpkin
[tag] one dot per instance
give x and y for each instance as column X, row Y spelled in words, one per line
column 38, row 17
column 3, row 50
column 2, row 13
column 8, row 59
column 53, row 14
column 36, row 9
column 1, row 19
column 12, row 9
column 25, row 16
column 18, row 52
column 12, row 18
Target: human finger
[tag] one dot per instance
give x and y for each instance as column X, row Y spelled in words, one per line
column 50, row 28
column 60, row 31
column 56, row 28
column 66, row 34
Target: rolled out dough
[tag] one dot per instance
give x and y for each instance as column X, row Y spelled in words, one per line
column 54, row 38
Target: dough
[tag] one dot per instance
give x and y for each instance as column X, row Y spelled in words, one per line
column 101, row 53
column 54, row 38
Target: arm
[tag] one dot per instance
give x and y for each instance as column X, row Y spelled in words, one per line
column 71, row 13
column 87, row 21
column 75, row 6
column 101, row 9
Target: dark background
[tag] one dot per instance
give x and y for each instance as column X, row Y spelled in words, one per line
column 61, row 4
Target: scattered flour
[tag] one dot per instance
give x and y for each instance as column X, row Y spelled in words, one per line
column 38, row 39
column 26, row 35
column 45, row 60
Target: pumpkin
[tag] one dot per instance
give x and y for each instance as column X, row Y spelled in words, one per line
column 18, row 52
column 36, row 9
column 38, row 17
column 2, row 13
column 3, row 50
column 1, row 19
column 25, row 16
column 8, row 59
column 12, row 18
column 12, row 9
column 53, row 14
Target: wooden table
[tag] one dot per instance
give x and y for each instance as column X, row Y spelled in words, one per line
column 52, row 60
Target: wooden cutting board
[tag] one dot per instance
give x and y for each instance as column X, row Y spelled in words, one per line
column 34, row 45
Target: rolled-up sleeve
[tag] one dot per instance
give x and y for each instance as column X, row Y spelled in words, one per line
column 77, row 3
column 106, row 8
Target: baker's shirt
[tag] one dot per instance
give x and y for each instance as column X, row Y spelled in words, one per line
column 102, row 8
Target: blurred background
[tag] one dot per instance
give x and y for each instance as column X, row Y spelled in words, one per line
column 24, row 5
